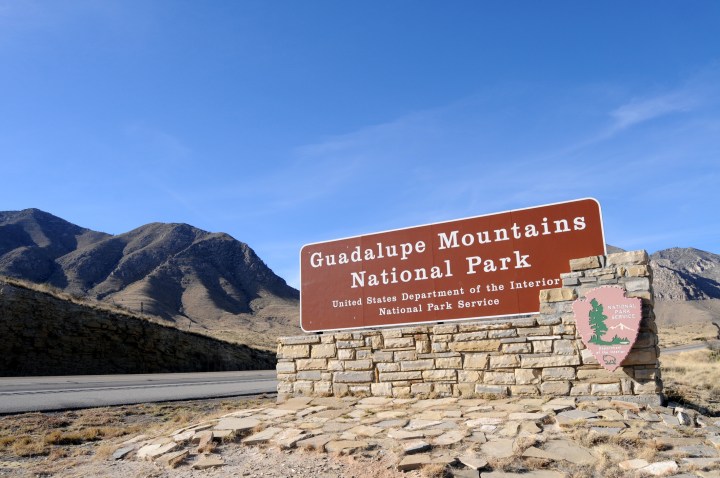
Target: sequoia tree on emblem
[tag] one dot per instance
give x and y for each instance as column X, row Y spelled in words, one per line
column 608, row 323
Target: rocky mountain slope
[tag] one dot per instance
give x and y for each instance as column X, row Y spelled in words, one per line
column 194, row 280
column 46, row 333
column 686, row 274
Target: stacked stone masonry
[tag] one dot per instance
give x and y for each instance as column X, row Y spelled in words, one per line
column 540, row 354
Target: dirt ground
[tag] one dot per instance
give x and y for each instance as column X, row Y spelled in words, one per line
column 80, row 443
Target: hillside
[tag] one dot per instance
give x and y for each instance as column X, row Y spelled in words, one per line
column 192, row 279
column 46, row 333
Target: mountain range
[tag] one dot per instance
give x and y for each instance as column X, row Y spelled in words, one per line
column 213, row 284
column 208, row 283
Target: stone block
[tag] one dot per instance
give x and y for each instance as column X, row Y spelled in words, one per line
column 532, row 361
column 517, row 348
column 309, row 375
column 443, row 389
column 287, row 377
column 600, row 375
column 293, row 351
column 475, row 361
column 335, row 366
column 346, row 354
column 558, row 373
column 504, row 361
column 636, row 284
column 499, row 378
column 421, row 388
column 444, row 329
column 605, row 389
column 564, row 329
column 570, row 281
column 448, row 363
column 469, row 376
column 524, row 390
column 400, row 342
column 363, row 389
column 470, row 336
column 392, row 333
column 340, row 389
column 645, row 340
column 323, row 351
column 353, row 377
column 403, row 355
column 388, row 367
column 300, row 340
column 358, row 364
column 649, row 387
column 401, row 392
column 542, row 346
column 641, row 357
column 410, row 365
column 549, row 320
column 523, row 322
column 439, row 347
column 538, row 330
column 502, row 334
column 381, row 389
column 557, row 295
column 464, row 389
column 323, row 388
column 527, row 376
column 564, row 347
column 588, row 358
column 423, row 346
column 645, row 374
column 580, row 389
column 311, row 364
column 628, row 258
column 285, row 367
column 635, row 271
column 349, row 344
column 285, row 388
column 379, row 356
column 439, row 375
column 585, row 263
column 375, row 341
column 555, row 388
column 304, row 387
column 499, row 390
column 442, row 338
column 363, row 354
column 478, row 346
column 400, row 376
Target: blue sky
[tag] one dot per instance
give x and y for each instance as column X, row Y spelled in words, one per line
column 284, row 122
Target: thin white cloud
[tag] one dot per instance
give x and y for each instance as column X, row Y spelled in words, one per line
column 641, row 110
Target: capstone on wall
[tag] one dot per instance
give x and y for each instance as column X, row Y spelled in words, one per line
column 523, row 356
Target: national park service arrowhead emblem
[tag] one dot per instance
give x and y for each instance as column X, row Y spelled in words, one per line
column 608, row 323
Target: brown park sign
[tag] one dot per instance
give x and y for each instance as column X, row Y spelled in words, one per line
column 480, row 267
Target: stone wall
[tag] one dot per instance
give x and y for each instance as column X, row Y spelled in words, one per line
column 42, row 334
column 527, row 356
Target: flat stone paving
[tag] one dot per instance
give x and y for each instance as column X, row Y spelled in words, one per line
column 509, row 437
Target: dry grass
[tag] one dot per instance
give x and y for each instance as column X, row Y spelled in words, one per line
column 62, row 436
column 435, row 470
column 693, row 378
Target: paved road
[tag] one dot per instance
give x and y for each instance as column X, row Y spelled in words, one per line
column 688, row 347
column 24, row 394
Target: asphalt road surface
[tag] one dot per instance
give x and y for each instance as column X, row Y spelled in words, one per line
column 27, row 394
column 689, row 347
